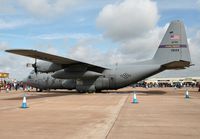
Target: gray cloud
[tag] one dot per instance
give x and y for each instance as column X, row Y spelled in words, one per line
column 128, row 19
column 48, row 8
column 198, row 3
column 194, row 44
column 133, row 25
column 84, row 50
column 4, row 46
column 14, row 65
column 7, row 7
column 145, row 46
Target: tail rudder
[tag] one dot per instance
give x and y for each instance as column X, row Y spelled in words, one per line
column 174, row 46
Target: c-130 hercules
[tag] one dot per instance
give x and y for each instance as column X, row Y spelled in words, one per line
column 57, row 72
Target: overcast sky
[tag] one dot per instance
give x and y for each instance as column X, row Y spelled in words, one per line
column 104, row 32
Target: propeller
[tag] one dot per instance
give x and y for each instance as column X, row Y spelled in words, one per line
column 35, row 66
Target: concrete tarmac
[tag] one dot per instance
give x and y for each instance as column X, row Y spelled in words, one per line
column 160, row 113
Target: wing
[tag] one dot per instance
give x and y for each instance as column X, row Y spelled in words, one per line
column 54, row 58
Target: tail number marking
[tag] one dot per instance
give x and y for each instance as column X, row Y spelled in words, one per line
column 174, row 50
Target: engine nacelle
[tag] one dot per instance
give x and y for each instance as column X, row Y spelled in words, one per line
column 69, row 84
column 102, row 83
column 46, row 67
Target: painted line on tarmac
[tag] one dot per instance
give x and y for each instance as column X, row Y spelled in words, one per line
column 120, row 106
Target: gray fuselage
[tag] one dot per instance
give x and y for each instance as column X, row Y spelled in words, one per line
column 110, row 79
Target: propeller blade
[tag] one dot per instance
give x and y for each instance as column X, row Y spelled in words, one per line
column 35, row 66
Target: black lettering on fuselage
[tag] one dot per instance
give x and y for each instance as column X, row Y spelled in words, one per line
column 174, row 50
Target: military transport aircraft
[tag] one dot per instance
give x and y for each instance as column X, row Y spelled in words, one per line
column 172, row 53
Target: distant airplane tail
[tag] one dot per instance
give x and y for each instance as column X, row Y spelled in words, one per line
column 173, row 51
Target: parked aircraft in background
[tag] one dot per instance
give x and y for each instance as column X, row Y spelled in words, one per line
column 172, row 53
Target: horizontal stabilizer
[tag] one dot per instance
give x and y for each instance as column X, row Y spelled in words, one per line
column 176, row 65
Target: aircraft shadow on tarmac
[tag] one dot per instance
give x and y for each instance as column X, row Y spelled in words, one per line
column 42, row 95
column 65, row 93
column 147, row 92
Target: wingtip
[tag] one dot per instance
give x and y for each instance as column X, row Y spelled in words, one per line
column 14, row 50
column 9, row 50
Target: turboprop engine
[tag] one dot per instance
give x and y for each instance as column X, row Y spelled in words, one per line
column 75, row 72
column 46, row 67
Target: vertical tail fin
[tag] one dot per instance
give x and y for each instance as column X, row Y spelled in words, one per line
column 174, row 46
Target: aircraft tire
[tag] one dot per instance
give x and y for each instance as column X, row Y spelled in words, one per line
column 38, row 90
column 98, row 91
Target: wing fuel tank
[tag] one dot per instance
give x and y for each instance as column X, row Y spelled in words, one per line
column 62, row 74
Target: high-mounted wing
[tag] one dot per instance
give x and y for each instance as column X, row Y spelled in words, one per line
column 53, row 58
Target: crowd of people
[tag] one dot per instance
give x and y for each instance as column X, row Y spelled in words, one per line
column 13, row 85
column 166, row 84
column 17, row 85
